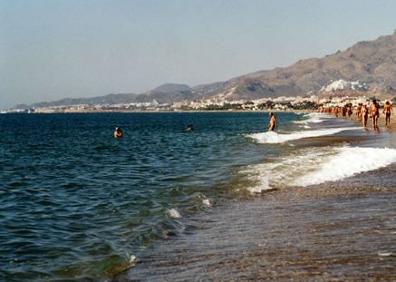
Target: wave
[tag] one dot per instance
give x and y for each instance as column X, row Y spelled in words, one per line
column 315, row 166
column 272, row 137
column 313, row 118
column 348, row 162
column 280, row 172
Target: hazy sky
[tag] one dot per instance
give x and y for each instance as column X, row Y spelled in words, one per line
column 78, row 48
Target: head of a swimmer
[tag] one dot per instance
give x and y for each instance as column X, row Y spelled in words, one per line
column 271, row 114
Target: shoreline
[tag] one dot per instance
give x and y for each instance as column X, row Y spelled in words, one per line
column 162, row 112
column 340, row 230
column 381, row 121
column 322, row 232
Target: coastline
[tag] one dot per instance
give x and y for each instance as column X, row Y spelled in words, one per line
column 164, row 112
column 231, row 228
column 342, row 231
column 322, row 232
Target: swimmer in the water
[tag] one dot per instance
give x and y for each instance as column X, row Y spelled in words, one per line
column 117, row 133
column 189, row 128
column 272, row 122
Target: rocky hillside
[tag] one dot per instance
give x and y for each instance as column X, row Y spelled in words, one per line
column 370, row 62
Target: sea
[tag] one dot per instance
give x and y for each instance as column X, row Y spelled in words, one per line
column 78, row 204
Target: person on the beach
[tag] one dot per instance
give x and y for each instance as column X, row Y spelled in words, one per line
column 272, row 122
column 349, row 110
column 336, row 111
column 359, row 110
column 374, row 113
column 364, row 115
column 117, row 133
column 344, row 111
column 387, row 111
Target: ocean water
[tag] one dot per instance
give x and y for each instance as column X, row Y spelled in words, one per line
column 75, row 203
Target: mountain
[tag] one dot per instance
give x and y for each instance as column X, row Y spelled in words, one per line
column 167, row 93
column 368, row 63
column 371, row 62
column 109, row 99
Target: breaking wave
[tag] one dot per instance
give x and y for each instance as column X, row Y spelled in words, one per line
column 272, row 137
column 313, row 118
column 315, row 166
column 348, row 162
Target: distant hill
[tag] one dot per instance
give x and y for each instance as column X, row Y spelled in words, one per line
column 167, row 93
column 372, row 63
column 109, row 99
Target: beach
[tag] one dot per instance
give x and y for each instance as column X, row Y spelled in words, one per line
column 323, row 233
column 342, row 230
column 197, row 141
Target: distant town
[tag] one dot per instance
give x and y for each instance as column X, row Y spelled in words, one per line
column 276, row 104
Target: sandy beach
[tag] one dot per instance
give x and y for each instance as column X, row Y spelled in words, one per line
column 339, row 232
column 381, row 122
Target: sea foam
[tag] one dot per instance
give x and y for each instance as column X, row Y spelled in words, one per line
column 173, row 213
column 315, row 166
column 348, row 162
column 207, row 202
column 313, row 118
column 280, row 172
column 272, row 137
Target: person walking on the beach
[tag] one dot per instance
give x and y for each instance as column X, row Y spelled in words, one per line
column 344, row 111
column 387, row 111
column 374, row 112
column 272, row 122
column 364, row 115
column 349, row 110
column 359, row 110
column 336, row 111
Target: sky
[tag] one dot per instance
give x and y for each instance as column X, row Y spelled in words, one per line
column 52, row 49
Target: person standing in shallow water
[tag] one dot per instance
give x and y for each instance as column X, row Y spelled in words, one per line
column 272, row 122
column 387, row 111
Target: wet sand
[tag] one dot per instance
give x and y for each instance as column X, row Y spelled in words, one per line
column 345, row 231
